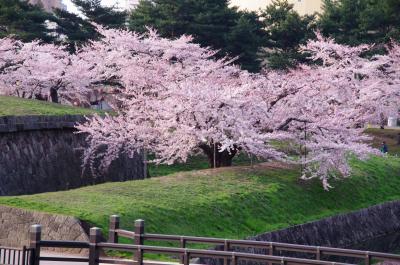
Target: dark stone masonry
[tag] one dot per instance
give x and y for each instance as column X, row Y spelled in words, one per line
column 348, row 230
column 42, row 154
column 344, row 230
column 15, row 225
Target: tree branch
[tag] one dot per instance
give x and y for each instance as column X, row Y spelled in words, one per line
column 289, row 120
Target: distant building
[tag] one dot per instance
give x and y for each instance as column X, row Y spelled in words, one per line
column 49, row 5
column 302, row 6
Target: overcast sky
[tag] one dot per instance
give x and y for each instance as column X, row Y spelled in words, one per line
column 249, row 4
column 72, row 8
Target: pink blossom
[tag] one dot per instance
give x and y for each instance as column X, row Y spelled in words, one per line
column 173, row 98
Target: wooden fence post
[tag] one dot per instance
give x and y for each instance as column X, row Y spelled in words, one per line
column 182, row 245
column 226, row 248
column 186, row 258
column 23, row 261
column 367, row 258
column 234, row 259
column 94, row 239
column 35, row 237
column 271, row 251
column 139, row 240
column 114, row 225
column 318, row 254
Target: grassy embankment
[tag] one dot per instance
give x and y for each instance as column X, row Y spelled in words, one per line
column 13, row 106
column 233, row 202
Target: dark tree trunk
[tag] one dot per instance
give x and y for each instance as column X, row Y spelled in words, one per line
column 222, row 159
column 40, row 97
column 54, row 95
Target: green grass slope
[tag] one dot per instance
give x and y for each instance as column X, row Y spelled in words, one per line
column 14, row 106
column 231, row 203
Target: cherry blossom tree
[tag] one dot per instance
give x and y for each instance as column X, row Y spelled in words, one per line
column 175, row 100
column 38, row 71
column 325, row 107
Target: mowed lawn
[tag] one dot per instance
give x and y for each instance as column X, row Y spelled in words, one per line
column 231, row 203
column 14, row 106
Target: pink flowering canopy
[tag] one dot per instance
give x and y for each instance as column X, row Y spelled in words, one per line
column 174, row 99
column 35, row 70
column 326, row 106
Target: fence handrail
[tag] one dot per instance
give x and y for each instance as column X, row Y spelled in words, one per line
column 63, row 244
column 351, row 253
column 268, row 245
column 64, row 259
column 228, row 255
column 96, row 245
column 14, row 248
column 212, row 254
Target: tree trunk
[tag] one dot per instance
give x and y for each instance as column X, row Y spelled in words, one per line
column 222, row 159
column 40, row 97
column 54, row 95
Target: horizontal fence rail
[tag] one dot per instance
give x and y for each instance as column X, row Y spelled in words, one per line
column 14, row 256
column 270, row 247
column 96, row 245
column 196, row 253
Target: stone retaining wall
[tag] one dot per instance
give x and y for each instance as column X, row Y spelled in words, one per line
column 42, row 153
column 342, row 230
column 10, row 124
column 15, row 225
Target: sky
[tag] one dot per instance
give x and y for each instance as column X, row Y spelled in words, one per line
column 72, row 8
column 249, row 4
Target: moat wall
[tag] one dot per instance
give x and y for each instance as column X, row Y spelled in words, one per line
column 42, row 154
column 15, row 225
column 342, row 230
column 350, row 230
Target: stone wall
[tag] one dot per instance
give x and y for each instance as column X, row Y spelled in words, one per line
column 342, row 230
column 15, row 225
column 42, row 153
column 349, row 230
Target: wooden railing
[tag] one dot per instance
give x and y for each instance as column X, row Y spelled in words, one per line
column 138, row 248
column 15, row 256
column 96, row 246
column 271, row 248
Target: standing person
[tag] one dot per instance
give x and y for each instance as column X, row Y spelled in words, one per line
column 384, row 148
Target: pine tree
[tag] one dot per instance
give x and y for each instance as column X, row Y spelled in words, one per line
column 24, row 21
column 286, row 30
column 102, row 15
column 245, row 40
column 72, row 30
column 360, row 21
column 212, row 23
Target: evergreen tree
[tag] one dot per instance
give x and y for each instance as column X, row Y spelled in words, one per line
column 212, row 23
column 102, row 15
column 245, row 40
column 30, row 22
column 286, row 30
column 361, row 21
column 72, row 30
column 25, row 21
